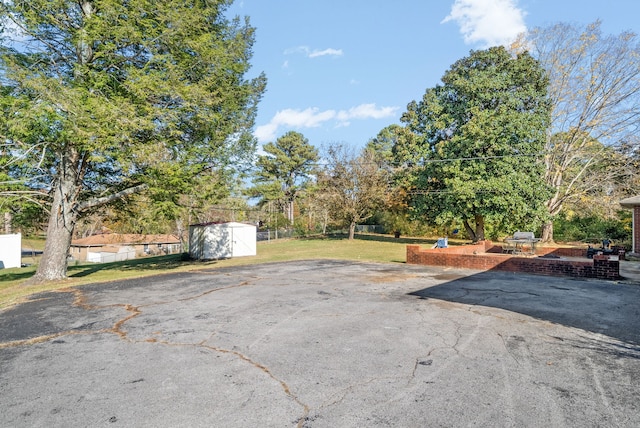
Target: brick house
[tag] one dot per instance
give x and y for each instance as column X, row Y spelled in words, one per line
column 111, row 247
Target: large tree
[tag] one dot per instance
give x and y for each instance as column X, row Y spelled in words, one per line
column 283, row 170
column 594, row 88
column 474, row 144
column 105, row 99
column 385, row 148
column 354, row 185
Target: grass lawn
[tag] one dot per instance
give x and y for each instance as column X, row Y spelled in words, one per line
column 369, row 248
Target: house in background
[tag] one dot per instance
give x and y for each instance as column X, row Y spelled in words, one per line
column 212, row 241
column 10, row 250
column 114, row 247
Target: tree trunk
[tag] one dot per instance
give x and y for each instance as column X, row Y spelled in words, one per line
column 62, row 221
column 352, row 230
column 290, row 212
column 469, row 230
column 476, row 234
column 182, row 234
column 325, row 222
column 547, row 232
column 554, row 206
column 479, row 228
column 8, row 221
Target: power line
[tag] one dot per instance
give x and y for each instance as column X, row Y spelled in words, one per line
column 425, row 161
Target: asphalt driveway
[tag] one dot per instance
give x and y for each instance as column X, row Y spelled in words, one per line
column 325, row 344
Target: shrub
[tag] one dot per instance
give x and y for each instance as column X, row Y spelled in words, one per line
column 593, row 229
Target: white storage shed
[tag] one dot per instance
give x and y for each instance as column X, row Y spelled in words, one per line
column 222, row 240
column 10, row 250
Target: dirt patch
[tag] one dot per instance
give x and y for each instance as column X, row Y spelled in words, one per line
column 392, row 277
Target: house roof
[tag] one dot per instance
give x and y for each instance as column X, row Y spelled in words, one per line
column 111, row 249
column 124, row 239
column 630, row 202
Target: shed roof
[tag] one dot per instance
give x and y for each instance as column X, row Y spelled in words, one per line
column 630, row 202
column 223, row 224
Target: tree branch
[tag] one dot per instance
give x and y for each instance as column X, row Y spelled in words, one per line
column 96, row 202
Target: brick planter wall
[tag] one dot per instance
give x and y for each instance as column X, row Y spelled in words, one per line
column 486, row 256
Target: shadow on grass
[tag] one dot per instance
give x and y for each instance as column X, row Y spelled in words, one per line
column 17, row 275
column 78, row 271
column 169, row 262
column 173, row 261
column 376, row 238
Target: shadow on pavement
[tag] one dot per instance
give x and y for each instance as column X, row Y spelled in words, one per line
column 144, row 264
column 605, row 307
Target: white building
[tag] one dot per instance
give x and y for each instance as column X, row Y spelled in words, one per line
column 222, row 240
column 10, row 251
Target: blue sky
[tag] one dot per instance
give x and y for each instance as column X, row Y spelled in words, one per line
column 339, row 71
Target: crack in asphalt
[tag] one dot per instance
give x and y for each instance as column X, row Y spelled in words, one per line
column 506, row 347
column 342, row 393
column 265, row 369
column 602, row 394
column 80, row 300
column 420, row 361
column 203, row 344
column 242, row 284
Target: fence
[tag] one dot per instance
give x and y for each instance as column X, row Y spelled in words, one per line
column 268, row 235
column 369, row 228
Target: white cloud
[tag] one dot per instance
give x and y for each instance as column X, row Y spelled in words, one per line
column 306, row 51
column 298, row 49
column 313, row 118
column 367, row 111
column 308, row 118
column 488, row 22
column 331, row 52
column 266, row 133
column 290, row 118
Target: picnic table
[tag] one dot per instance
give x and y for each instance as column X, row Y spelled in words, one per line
column 521, row 243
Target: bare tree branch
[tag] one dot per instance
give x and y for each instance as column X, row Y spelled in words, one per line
column 595, row 93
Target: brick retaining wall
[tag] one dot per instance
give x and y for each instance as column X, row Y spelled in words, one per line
column 487, row 256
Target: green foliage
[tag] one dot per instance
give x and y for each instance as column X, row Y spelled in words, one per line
column 112, row 98
column 354, row 185
column 284, row 170
column 26, row 213
column 275, row 220
column 28, row 217
column 403, row 223
column 155, row 97
column 474, row 144
column 594, row 229
column 302, row 227
column 382, row 146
